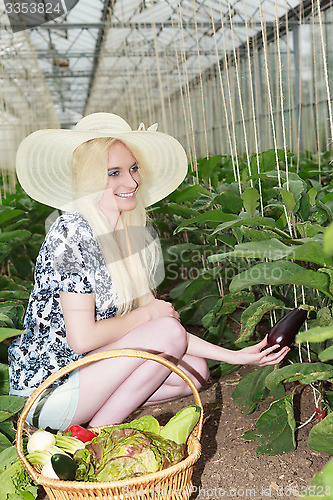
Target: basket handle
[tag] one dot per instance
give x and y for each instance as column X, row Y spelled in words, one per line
column 127, row 353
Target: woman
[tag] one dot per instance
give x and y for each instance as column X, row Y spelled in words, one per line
column 94, row 277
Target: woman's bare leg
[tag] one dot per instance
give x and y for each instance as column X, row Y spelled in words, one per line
column 112, row 388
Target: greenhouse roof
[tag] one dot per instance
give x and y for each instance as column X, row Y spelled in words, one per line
column 91, row 60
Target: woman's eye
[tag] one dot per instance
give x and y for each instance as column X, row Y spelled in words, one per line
column 112, row 173
column 135, row 168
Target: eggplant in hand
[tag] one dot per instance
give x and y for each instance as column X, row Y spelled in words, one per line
column 285, row 330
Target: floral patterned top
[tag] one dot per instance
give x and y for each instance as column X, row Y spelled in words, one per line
column 69, row 260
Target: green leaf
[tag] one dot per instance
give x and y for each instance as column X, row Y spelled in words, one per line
column 190, row 193
column 12, row 290
column 288, row 199
column 232, row 300
column 315, row 334
column 321, row 435
column 296, row 187
column 279, row 273
column 14, row 310
column 4, row 442
column 326, row 354
column 9, row 405
column 245, row 221
column 215, row 215
column 224, row 369
column 302, row 372
column 174, row 209
column 329, row 273
column 4, row 379
column 6, row 236
column 322, row 483
column 208, row 319
column 193, row 287
column 7, row 333
column 6, row 321
column 259, row 234
column 4, row 251
column 324, row 316
column 8, row 430
column 328, row 398
column 328, row 240
column 250, row 199
column 275, row 428
column 274, row 249
column 8, row 213
column 250, row 389
column 230, row 201
column 254, row 313
column 312, row 193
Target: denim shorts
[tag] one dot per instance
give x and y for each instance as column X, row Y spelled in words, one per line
column 56, row 406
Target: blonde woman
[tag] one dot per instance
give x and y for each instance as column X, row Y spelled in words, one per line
column 95, row 277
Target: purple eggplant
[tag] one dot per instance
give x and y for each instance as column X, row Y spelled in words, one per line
column 285, row 330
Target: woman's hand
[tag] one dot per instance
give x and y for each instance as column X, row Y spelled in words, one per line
column 160, row 309
column 254, row 355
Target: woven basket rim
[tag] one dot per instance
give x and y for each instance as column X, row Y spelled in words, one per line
column 193, row 442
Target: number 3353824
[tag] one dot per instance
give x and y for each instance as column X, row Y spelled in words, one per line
column 33, row 8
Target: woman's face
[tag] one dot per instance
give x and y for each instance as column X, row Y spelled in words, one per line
column 123, row 176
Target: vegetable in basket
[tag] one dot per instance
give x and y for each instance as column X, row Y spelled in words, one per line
column 64, row 466
column 132, row 449
column 117, row 454
column 41, row 446
column 81, row 433
column 181, row 425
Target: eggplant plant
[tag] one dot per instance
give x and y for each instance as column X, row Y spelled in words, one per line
column 262, row 253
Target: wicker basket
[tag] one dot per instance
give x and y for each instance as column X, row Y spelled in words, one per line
column 172, row 483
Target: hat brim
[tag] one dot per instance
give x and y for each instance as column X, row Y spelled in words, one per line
column 43, row 162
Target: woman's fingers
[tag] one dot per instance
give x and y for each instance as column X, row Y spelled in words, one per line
column 271, row 358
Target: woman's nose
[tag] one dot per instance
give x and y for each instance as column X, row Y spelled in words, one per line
column 130, row 181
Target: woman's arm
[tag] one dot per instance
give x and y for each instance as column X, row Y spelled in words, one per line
column 252, row 355
column 84, row 334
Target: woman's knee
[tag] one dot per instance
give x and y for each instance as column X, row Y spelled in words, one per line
column 197, row 369
column 173, row 337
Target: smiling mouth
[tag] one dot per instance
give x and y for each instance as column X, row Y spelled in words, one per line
column 126, row 195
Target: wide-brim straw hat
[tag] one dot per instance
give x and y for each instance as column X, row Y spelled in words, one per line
column 44, row 158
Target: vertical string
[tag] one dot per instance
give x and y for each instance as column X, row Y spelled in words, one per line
column 160, row 81
column 200, row 80
column 230, row 100
column 186, row 79
column 181, row 92
column 232, row 29
column 324, row 55
column 234, row 166
column 253, row 111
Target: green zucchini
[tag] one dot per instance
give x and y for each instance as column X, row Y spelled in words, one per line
column 64, row 466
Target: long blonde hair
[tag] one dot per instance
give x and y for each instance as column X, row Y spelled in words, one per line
column 131, row 254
